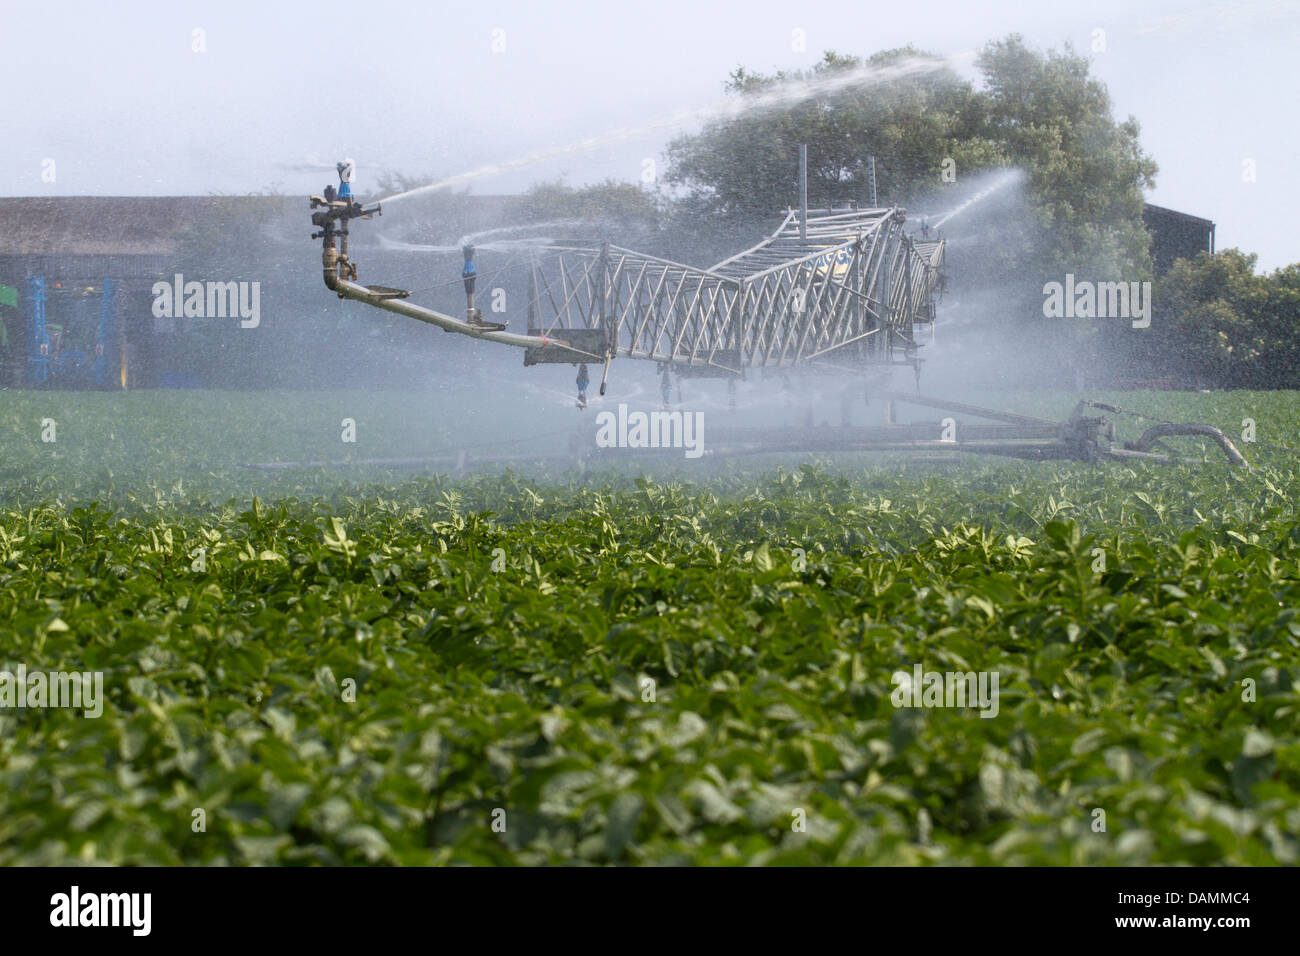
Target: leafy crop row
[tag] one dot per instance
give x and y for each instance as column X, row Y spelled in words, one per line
column 659, row 671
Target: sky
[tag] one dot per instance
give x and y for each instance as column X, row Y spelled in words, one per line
column 175, row 98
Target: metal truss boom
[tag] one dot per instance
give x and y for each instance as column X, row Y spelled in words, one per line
column 849, row 284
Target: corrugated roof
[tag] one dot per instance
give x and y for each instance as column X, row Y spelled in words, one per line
column 1150, row 209
column 111, row 225
column 150, row 225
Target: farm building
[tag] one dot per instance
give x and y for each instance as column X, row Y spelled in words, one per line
column 78, row 307
column 1176, row 235
column 76, row 275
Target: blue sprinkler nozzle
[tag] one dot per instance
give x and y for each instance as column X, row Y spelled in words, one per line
column 347, row 169
column 469, row 273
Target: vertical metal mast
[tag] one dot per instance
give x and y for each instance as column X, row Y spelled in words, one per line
column 803, row 192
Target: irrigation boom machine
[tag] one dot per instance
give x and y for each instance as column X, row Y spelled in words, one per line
column 835, row 290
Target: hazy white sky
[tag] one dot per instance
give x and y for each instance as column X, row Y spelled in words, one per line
column 116, row 95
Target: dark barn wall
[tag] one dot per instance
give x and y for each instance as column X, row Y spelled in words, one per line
column 307, row 337
column 1176, row 235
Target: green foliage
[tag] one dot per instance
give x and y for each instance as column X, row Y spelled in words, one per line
column 349, row 681
column 1218, row 322
column 1086, row 171
column 624, row 204
column 747, row 166
column 1042, row 112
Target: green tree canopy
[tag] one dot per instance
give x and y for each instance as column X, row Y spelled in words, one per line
column 1218, row 323
column 607, row 206
column 1041, row 112
column 747, row 166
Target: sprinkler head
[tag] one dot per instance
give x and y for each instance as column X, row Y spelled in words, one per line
column 469, row 274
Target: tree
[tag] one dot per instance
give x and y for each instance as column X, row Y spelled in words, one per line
column 902, row 106
column 1081, row 197
column 1218, row 323
column 617, row 210
column 1086, row 172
